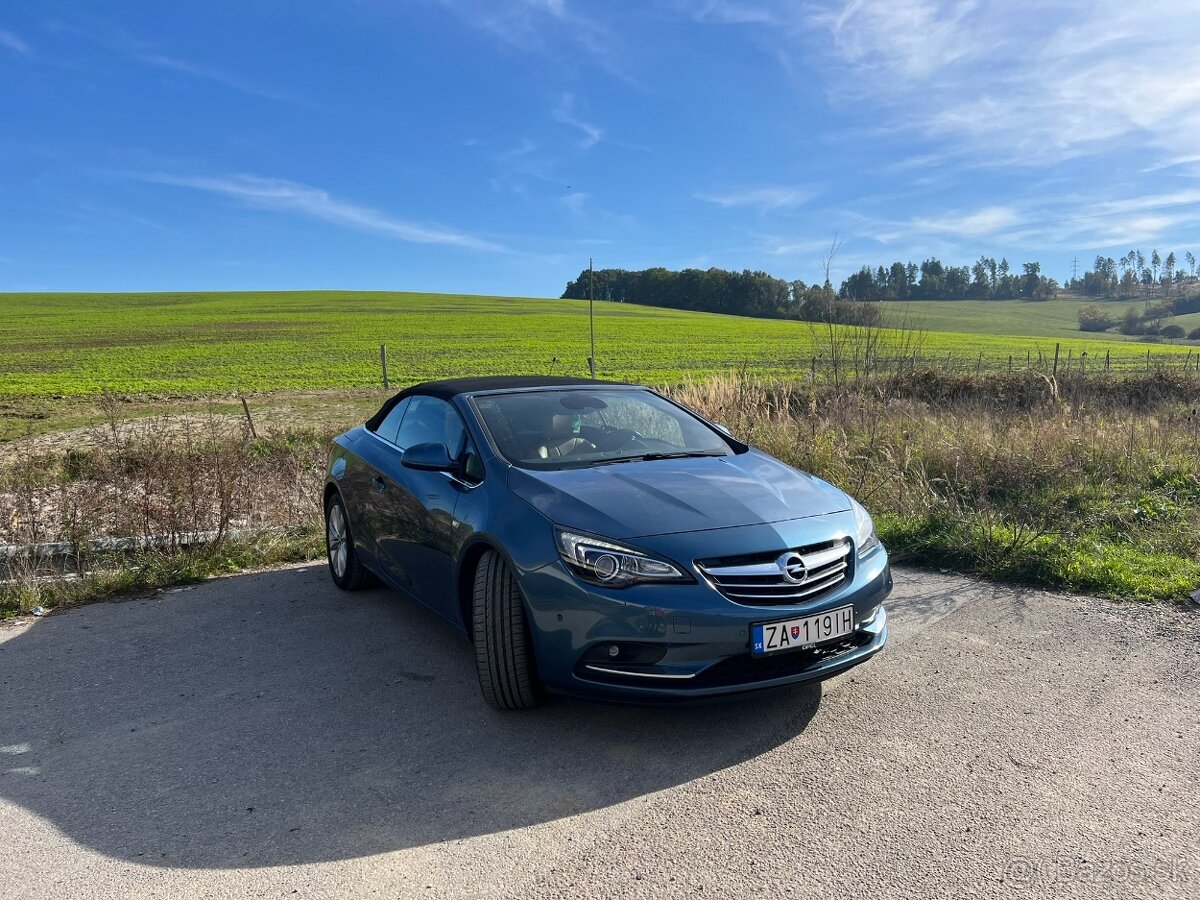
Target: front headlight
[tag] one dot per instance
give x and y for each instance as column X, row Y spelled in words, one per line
column 864, row 529
column 612, row 565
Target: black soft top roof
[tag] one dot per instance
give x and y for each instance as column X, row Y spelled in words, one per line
column 448, row 388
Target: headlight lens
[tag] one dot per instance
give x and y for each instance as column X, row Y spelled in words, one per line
column 612, row 565
column 864, row 528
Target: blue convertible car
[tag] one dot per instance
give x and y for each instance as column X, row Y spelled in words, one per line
column 597, row 539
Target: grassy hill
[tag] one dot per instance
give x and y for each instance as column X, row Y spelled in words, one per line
column 1055, row 319
column 78, row 344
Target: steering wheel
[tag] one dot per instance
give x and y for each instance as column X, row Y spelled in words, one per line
column 629, row 439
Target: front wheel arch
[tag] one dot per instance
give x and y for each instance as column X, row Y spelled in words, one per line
column 468, row 564
column 505, row 658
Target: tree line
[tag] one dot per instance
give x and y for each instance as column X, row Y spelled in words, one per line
column 756, row 293
column 987, row 279
column 745, row 293
column 1136, row 275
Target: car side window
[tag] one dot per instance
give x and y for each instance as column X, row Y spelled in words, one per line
column 431, row 421
column 391, row 422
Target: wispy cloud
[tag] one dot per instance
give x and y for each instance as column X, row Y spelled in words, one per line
column 574, row 202
column 315, row 203
column 1017, row 83
column 1174, row 162
column 764, row 198
column 106, row 216
column 136, row 49
column 581, row 205
column 732, row 12
column 548, row 26
column 1049, row 223
column 1090, row 73
column 795, row 247
column 204, row 73
column 912, row 39
column 564, row 112
column 14, row 43
column 988, row 221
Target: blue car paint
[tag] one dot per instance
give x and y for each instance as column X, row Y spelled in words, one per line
column 633, row 499
column 422, row 532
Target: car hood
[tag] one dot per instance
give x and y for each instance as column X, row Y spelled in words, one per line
column 669, row 496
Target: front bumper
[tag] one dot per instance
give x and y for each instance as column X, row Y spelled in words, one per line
column 703, row 638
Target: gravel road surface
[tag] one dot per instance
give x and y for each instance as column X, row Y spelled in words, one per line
column 267, row 736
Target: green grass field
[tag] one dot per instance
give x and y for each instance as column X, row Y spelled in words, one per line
column 69, row 345
column 1057, row 319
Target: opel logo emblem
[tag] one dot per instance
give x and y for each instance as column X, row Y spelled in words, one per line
column 793, row 568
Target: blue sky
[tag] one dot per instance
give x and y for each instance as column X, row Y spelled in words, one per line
column 492, row 146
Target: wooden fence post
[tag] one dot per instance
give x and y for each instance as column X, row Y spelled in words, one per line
column 383, row 361
column 1057, row 348
column 249, row 421
column 1108, row 359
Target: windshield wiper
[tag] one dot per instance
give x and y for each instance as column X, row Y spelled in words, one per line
column 666, row 454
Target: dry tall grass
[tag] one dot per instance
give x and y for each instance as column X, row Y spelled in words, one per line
column 154, row 499
column 1090, row 483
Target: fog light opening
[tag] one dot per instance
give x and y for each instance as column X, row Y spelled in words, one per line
column 625, row 653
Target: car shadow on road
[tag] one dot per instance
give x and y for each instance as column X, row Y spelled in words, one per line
column 270, row 719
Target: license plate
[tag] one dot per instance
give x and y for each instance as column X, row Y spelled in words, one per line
column 802, row 632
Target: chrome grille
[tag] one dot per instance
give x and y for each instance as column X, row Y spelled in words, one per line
column 779, row 579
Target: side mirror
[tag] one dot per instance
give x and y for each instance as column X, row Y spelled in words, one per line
column 428, row 458
column 724, row 429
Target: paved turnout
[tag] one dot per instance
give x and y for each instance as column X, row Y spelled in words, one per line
column 267, row 736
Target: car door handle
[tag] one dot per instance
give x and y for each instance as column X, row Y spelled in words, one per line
column 380, row 484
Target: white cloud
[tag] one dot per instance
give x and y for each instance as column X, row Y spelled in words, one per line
column 911, row 38
column 288, row 196
column 764, row 198
column 1174, row 162
column 981, row 223
column 14, row 43
column 1151, row 201
column 1052, row 223
column 564, row 112
column 1021, row 81
column 784, row 246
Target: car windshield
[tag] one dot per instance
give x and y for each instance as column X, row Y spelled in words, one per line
column 569, row 428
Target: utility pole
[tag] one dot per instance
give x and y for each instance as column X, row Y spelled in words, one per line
column 592, row 317
column 1074, row 269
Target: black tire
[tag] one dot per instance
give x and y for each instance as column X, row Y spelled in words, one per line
column 503, row 650
column 345, row 568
